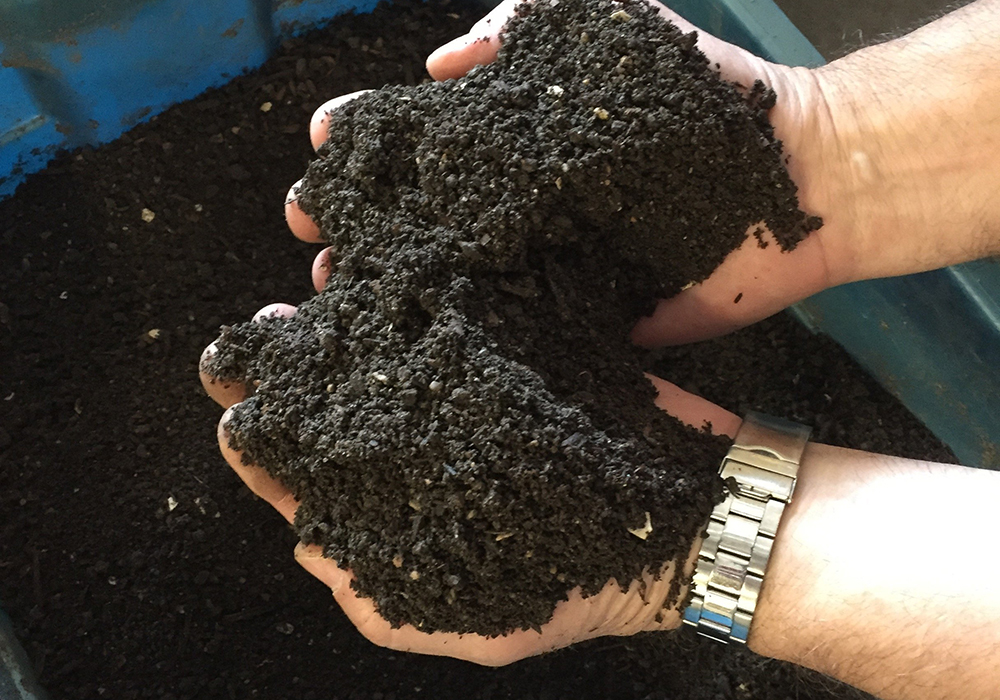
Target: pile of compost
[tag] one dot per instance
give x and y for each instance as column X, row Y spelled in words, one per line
column 459, row 411
column 133, row 562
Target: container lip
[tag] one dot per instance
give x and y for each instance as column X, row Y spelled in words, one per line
column 17, row 677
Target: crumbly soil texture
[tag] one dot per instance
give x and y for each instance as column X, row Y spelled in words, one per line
column 459, row 411
column 133, row 562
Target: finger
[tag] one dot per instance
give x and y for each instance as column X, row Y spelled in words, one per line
column 310, row 557
column 479, row 46
column 223, row 392
column 275, row 310
column 227, row 392
column 694, row 410
column 751, row 284
column 300, row 223
column 256, row 479
column 321, row 268
column 319, row 125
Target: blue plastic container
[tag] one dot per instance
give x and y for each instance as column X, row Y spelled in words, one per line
column 82, row 72
column 16, row 679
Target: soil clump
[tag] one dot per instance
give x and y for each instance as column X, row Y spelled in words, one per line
column 459, row 411
column 133, row 563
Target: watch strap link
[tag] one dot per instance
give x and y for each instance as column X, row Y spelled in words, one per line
column 759, row 471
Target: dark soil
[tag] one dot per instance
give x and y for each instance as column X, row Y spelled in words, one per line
column 133, row 562
column 460, row 411
column 779, row 367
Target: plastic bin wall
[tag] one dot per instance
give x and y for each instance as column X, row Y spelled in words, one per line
column 76, row 72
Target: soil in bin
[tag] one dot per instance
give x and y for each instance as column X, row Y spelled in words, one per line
column 133, row 562
column 460, row 412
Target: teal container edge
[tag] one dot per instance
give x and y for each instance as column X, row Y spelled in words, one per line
column 17, row 680
column 932, row 339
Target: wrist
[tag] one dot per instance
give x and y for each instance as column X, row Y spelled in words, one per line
column 869, row 576
column 811, row 118
column 759, row 472
column 790, row 586
column 860, row 537
column 900, row 145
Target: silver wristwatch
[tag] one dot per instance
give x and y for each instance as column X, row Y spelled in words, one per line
column 759, row 470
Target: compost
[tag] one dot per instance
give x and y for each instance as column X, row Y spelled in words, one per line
column 133, row 563
column 459, row 411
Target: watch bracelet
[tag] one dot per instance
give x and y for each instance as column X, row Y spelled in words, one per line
column 760, row 471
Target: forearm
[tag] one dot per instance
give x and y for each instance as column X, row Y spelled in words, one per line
column 906, row 137
column 885, row 575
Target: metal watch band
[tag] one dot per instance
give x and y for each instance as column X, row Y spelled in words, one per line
column 760, row 471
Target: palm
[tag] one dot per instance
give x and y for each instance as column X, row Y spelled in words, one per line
column 642, row 607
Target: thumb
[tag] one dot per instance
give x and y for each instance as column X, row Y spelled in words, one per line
column 479, row 46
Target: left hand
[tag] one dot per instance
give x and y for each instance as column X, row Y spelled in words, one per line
column 763, row 280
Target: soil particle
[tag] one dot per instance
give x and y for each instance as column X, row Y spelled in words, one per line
column 497, row 236
column 78, row 505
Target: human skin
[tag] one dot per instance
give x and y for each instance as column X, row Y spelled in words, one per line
column 885, row 575
column 857, row 586
column 895, row 147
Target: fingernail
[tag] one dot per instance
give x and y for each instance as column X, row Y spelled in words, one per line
column 207, row 354
column 293, row 192
column 453, row 45
column 277, row 310
column 224, row 422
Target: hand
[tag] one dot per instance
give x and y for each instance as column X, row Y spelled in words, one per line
column 765, row 280
column 611, row 612
column 894, row 147
column 813, row 544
